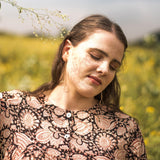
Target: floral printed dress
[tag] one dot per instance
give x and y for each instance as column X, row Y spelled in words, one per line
column 31, row 129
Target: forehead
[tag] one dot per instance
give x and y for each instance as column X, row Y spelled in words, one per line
column 103, row 36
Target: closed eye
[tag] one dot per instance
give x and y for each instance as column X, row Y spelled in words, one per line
column 95, row 54
column 114, row 66
column 95, row 57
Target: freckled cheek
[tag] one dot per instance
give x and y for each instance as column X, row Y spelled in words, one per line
column 79, row 64
column 109, row 78
column 73, row 65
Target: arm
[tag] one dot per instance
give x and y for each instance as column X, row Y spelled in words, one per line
column 137, row 147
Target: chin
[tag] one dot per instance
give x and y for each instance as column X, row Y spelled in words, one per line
column 88, row 94
column 88, row 91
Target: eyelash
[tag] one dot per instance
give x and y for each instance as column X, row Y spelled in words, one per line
column 112, row 68
column 94, row 57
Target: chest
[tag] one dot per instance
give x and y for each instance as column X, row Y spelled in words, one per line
column 46, row 133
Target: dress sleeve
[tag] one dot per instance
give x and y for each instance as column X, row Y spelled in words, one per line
column 8, row 101
column 2, row 106
column 137, row 147
column 1, row 125
column 3, row 102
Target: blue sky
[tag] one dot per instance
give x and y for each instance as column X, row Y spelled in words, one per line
column 136, row 17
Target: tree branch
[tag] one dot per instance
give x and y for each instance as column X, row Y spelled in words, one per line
column 42, row 19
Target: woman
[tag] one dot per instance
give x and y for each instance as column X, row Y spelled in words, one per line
column 76, row 115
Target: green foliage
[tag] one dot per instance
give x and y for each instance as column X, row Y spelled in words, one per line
column 25, row 63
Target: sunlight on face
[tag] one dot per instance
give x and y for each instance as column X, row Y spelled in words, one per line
column 92, row 64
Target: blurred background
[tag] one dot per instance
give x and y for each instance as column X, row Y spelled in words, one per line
column 31, row 31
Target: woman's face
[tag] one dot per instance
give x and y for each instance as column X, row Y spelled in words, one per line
column 92, row 64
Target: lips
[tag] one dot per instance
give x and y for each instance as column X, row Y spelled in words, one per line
column 95, row 80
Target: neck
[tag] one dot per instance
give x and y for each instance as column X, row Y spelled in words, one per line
column 69, row 100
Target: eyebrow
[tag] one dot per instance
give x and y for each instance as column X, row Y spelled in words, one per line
column 104, row 53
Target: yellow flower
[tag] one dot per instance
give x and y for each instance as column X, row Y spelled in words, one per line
column 146, row 141
column 153, row 133
column 150, row 109
column 121, row 108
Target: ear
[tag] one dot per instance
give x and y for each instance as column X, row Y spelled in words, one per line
column 66, row 50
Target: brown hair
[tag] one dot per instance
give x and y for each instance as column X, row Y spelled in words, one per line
column 83, row 29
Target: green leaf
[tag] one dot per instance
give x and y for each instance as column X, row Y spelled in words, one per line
column 0, row 5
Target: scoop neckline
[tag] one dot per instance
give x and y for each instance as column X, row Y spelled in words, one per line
column 96, row 106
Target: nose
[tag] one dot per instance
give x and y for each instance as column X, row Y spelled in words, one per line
column 103, row 68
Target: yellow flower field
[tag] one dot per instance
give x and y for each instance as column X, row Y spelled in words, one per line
column 25, row 63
